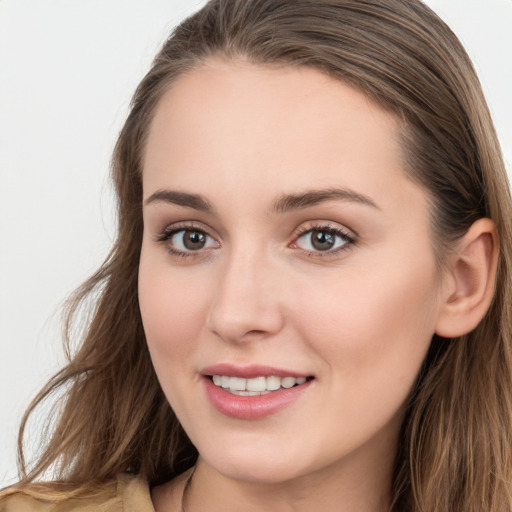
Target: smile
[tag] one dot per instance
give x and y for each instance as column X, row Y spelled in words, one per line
column 256, row 386
column 253, row 392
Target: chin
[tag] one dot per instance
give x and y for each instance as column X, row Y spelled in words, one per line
column 258, row 472
column 251, row 465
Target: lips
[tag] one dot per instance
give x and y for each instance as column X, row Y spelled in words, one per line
column 251, row 371
column 252, row 392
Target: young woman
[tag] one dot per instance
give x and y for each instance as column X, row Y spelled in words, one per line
column 308, row 304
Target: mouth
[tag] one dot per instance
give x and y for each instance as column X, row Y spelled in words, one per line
column 256, row 386
column 253, row 392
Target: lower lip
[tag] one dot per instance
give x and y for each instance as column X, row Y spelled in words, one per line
column 251, row 407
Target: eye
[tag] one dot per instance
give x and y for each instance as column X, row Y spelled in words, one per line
column 190, row 240
column 186, row 240
column 323, row 239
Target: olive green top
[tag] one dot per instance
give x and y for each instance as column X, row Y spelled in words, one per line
column 126, row 494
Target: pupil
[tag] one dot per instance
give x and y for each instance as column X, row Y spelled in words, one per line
column 323, row 240
column 194, row 240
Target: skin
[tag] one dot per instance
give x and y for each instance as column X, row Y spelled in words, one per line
column 358, row 319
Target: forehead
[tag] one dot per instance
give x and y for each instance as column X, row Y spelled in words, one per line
column 255, row 127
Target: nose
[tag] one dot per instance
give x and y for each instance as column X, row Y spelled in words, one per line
column 246, row 303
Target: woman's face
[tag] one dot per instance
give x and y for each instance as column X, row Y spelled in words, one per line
column 283, row 246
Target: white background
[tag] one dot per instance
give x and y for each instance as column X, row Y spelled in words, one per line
column 67, row 72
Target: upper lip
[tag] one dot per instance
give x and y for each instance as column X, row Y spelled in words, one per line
column 250, row 371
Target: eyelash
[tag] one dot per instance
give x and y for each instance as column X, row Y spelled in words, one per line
column 349, row 239
column 165, row 235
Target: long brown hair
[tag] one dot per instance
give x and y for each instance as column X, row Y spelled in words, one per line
column 455, row 451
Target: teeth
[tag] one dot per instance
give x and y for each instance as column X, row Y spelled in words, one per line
column 288, row 382
column 237, row 384
column 247, row 393
column 256, row 385
column 273, row 383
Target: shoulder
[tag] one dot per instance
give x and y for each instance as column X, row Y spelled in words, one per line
column 126, row 493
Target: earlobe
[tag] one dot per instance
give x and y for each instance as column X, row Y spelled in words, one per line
column 472, row 274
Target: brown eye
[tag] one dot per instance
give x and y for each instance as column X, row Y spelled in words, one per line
column 323, row 240
column 190, row 240
column 194, row 240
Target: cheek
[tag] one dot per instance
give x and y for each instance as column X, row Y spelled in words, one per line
column 373, row 327
column 170, row 310
column 374, row 341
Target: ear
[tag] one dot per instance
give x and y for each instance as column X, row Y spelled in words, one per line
column 470, row 281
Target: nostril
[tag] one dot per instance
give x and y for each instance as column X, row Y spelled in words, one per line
column 254, row 332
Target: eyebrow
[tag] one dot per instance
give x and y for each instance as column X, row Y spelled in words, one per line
column 285, row 203
column 309, row 198
column 185, row 199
